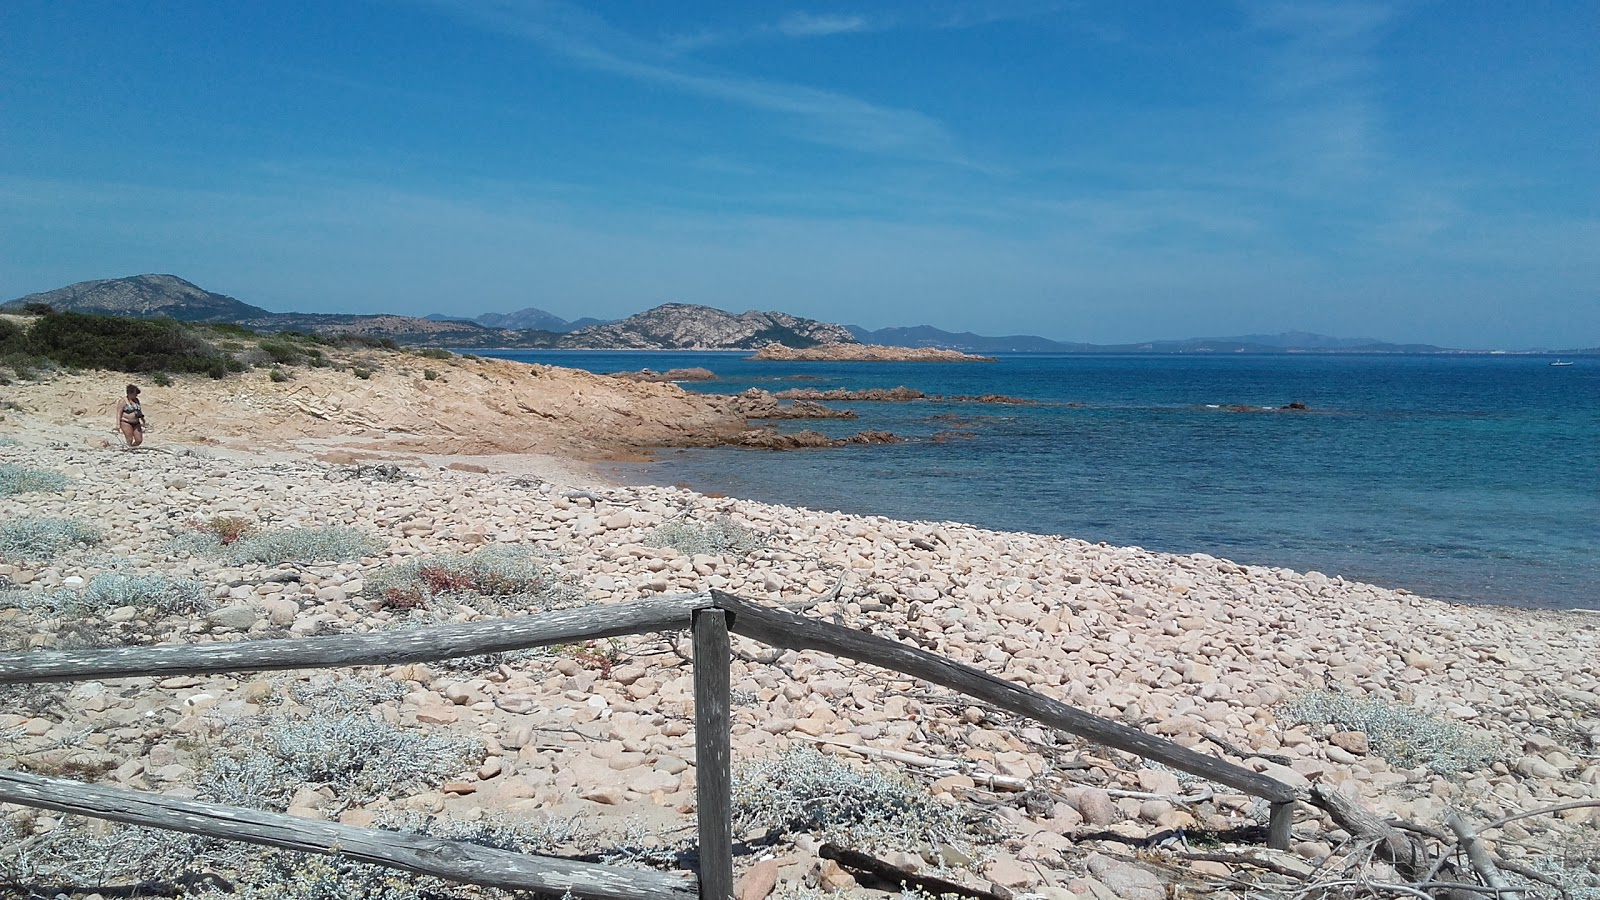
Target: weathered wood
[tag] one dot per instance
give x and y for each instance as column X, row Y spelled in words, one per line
column 451, row 860
column 1410, row 858
column 900, row 877
column 783, row 629
column 1479, row 858
column 713, row 753
column 1280, row 822
column 399, row 645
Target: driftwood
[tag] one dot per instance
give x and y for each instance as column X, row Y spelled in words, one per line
column 1409, row 857
column 1478, row 856
column 451, row 860
column 937, row 887
column 380, row 648
column 783, row 629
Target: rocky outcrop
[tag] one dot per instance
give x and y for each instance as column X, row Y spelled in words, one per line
column 851, row 352
column 671, row 375
column 143, row 296
column 895, row 395
column 685, row 326
column 758, row 404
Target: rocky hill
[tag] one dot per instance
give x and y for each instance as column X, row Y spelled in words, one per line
column 685, row 326
column 144, row 296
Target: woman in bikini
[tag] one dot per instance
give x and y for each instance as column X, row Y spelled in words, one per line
column 130, row 418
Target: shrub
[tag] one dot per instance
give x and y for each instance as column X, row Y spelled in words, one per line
column 277, row 376
column 166, row 596
column 1400, row 734
column 430, row 374
column 161, row 379
column 281, row 351
column 491, row 580
column 15, row 479
column 803, row 790
column 362, row 373
column 129, row 345
column 721, row 536
column 43, row 539
column 434, row 353
column 290, row 545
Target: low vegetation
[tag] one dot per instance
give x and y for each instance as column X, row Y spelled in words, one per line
column 493, row 580
column 801, row 790
column 235, row 541
column 15, row 479
column 42, row 539
column 157, row 595
column 1402, row 735
column 719, row 537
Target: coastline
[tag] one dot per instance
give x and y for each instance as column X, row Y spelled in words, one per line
column 1185, row 647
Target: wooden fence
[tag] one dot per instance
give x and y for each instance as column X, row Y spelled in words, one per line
column 711, row 617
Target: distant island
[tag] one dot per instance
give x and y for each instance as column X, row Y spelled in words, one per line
column 670, row 326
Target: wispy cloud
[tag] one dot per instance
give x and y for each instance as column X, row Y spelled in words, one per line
column 1320, row 77
column 819, row 116
column 806, row 25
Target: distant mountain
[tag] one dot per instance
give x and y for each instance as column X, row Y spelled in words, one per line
column 143, row 296
column 685, row 326
column 531, row 318
column 966, row 341
column 1287, row 342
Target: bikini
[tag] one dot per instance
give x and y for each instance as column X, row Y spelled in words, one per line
column 133, row 414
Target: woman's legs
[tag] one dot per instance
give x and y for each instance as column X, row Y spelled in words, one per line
column 132, row 434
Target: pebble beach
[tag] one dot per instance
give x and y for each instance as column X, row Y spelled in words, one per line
column 1196, row 649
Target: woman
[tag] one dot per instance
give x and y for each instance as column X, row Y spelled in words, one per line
column 130, row 418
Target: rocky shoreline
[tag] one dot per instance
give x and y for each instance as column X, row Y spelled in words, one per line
column 1235, row 660
column 864, row 353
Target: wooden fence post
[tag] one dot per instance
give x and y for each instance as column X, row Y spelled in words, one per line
column 713, row 757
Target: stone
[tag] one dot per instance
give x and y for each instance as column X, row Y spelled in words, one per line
column 1096, row 807
column 1010, row 873
column 832, row 877
column 1126, row 880
column 1351, row 741
column 237, row 618
column 758, row 882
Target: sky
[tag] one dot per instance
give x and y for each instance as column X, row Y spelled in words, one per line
column 1404, row 170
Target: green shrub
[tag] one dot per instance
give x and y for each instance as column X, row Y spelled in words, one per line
column 801, row 790
column 362, row 373
column 1400, row 734
column 435, row 353
column 277, row 376
column 161, row 379
column 123, row 344
column 43, row 539
column 15, row 479
column 430, row 375
column 718, row 537
column 282, row 352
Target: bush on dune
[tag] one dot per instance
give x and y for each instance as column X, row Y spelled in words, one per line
column 124, row 344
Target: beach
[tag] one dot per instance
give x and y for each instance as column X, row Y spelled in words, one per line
column 1193, row 648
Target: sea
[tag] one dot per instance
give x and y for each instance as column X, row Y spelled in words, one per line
column 1473, row 478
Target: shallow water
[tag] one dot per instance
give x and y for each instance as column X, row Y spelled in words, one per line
column 1474, row 478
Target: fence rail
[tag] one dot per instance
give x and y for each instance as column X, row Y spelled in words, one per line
column 709, row 616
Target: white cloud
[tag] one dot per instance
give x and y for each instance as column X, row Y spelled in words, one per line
column 806, row 25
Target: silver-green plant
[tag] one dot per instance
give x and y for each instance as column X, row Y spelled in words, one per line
column 719, row 537
column 15, row 479
column 492, row 580
column 31, row 538
column 1404, row 736
column 801, row 790
column 163, row 595
column 337, row 543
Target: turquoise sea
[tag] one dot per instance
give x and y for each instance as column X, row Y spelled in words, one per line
column 1475, row 478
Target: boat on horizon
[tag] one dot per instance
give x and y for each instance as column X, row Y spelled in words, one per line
column 1562, row 362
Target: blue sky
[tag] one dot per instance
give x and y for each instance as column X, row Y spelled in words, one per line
column 1100, row 171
